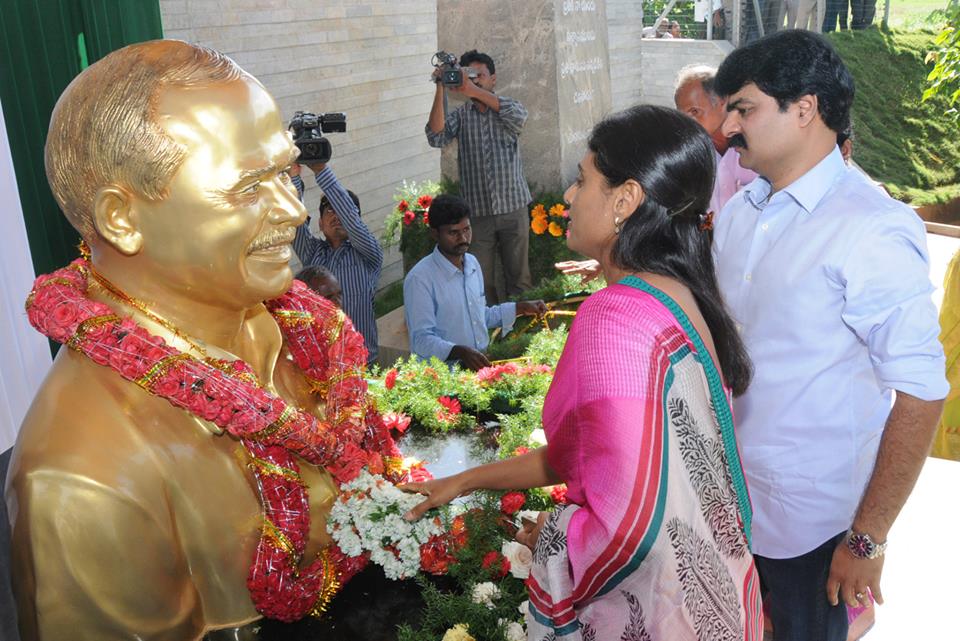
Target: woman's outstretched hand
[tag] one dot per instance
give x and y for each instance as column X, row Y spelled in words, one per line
column 438, row 492
column 530, row 532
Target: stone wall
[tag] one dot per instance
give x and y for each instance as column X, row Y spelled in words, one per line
column 624, row 28
column 367, row 58
column 661, row 60
column 552, row 56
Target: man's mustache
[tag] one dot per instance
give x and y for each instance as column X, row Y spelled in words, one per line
column 737, row 140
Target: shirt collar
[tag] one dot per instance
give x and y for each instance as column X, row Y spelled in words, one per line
column 807, row 190
column 445, row 266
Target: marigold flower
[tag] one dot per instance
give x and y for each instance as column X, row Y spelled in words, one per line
column 538, row 225
column 539, row 211
column 555, row 230
column 402, row 206
column 558, row 211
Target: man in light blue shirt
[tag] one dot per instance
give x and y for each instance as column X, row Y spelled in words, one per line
column 444, row 305
column 828, row 280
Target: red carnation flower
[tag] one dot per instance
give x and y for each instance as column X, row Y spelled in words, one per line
column 390, row 379
column 426, row 217
column 396, row 421
column 511, row 502
column 424, row 201
column 434, row 556
column 452, row 405
column 521, row 450
column 420, row 474
column 409, row 217
column 402, row 206
column 497, row 564
column 559, row 494
column 458, row 532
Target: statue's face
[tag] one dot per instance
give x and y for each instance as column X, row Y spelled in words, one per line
column 223, row 233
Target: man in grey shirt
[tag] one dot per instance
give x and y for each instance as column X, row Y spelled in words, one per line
column 487, row 128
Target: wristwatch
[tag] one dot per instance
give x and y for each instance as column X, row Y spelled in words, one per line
column 863, row 547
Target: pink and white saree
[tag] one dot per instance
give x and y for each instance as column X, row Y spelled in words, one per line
column 654, row 545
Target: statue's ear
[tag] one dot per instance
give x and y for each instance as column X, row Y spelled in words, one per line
column 115, row 220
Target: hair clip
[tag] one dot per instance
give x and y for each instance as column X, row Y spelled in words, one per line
column 706, row 221
column 679, row 210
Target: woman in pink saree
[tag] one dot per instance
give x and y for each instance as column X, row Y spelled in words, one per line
column 654, row 544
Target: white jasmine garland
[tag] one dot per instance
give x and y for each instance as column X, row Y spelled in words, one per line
column 368, row 517
column 485, row 594
column 520, row 557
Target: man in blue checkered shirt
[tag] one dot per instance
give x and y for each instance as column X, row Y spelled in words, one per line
column 487, row 128
column 348, row 249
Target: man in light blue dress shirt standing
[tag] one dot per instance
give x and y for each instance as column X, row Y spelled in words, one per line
column 828, row 280
column 444, row 304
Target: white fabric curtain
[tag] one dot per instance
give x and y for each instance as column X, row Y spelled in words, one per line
column 24, row 353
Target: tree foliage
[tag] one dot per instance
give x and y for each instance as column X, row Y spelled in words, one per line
column 944, row 78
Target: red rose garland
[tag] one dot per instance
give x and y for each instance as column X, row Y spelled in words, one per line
column 331, row 355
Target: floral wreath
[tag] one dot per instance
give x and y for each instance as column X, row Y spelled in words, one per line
column 331, row 355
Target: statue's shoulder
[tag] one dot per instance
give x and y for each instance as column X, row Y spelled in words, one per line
column 86, row 421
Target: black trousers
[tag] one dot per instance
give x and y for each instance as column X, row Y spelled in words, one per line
column 836, row 11
column 797, row 596
column 862, row 13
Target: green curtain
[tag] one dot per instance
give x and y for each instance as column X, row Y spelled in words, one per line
column 43, row 45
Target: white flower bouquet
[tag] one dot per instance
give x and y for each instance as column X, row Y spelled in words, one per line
column 368, row 517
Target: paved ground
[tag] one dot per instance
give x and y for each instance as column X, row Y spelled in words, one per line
column 923, row 564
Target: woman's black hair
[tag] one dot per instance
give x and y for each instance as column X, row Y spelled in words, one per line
column 673, row 160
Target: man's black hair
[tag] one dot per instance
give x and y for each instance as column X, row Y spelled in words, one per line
column 788, row 65
column 845, row 135
column 447, row 209
column 325, row 202
column 313, row 274
column 475, row 56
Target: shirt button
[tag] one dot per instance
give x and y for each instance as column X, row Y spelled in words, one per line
column 747, row 277
column 739, row 327
column 764, row 226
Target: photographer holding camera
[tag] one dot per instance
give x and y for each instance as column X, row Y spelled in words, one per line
column 349, row 249
column 487, row 128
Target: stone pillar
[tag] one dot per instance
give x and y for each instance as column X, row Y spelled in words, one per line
column 551, row 55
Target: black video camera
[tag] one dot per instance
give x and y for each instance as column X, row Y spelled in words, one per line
column 451, row 73
column 306, row 128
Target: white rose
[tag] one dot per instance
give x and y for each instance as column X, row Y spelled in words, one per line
column 515, row 632
column 538, row 436
column 520, row 557
column 524, row 607
column 485, row 593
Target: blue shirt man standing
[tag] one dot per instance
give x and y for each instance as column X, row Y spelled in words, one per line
column 349, row 250
column 444, row 305
column 828, row 280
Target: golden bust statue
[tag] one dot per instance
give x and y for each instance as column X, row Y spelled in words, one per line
column 133, row 518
